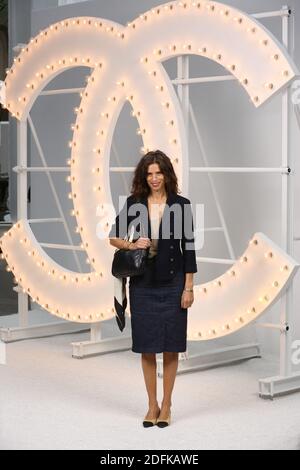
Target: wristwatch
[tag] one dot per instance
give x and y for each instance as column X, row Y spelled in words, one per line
column 189, row 289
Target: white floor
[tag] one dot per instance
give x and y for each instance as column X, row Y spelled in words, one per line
column 50, row 401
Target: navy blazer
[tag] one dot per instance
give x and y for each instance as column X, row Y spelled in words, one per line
column 176, row 249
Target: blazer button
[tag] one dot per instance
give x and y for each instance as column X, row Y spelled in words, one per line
column 171, row 246
column 171, row 271
column 171, row 259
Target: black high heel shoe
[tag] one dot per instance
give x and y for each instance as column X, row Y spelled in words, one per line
column 162, row 423
column 148, row 423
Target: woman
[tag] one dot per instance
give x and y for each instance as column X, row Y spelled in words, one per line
column 159, row 298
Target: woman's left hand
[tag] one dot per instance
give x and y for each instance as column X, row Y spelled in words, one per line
column 187, row 298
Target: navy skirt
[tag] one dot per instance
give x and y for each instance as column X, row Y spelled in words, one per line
column 158, row 322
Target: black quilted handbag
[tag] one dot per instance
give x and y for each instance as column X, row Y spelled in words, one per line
column 128, row 263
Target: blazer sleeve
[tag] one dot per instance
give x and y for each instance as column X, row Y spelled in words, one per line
column 188, row 240
column 120, row 226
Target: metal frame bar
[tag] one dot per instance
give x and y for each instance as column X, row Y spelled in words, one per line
column 40, row 169
column 216, row 169
column 211, row 183
column 53, row 190
column 287, row 214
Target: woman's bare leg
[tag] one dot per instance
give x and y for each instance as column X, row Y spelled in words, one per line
column 170, row 362
column 149, row 370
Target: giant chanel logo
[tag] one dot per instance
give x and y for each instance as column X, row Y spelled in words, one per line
column 126, row 64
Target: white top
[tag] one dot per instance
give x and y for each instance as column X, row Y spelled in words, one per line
column 155, row 218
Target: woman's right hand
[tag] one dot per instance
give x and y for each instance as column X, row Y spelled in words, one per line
column 140, row 243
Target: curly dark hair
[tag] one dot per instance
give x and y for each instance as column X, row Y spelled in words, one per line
column 140, row 188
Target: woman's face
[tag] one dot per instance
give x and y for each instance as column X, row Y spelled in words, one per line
column 155, row 178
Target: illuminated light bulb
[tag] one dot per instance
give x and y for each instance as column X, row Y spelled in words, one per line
column 225, row 12
column 232, row 273
column 275, row 284
column 113, row 98
column 96, row 188
column 269, row 85
column 98, row 151
column 96, row 170
column 233, row 67
column 218, row 283
column 204, row 290
column 225, row 327
column 70, row 195
column 68, row 179
column 218, row 56
column 203, row 50
column 256, row 99
column 286, row 73
column 170, row 123
column 284, row 268
column 269, row 254
column 275, row 56
column 264, row 42
column 244, row 259
column 187, row 46
column 141, row 131
column 173, row 48
column 254, row 242
column 245, row 81
column 239, row 320
column 120, row 83
column 238, row 20
column 159, row 87
column 165, row 104
column 143, row 150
